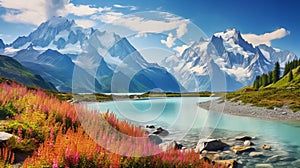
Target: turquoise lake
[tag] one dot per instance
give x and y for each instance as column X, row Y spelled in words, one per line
column 187, row 123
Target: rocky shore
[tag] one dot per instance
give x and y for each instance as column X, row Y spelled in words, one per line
column 240, row 151
column 240, row 109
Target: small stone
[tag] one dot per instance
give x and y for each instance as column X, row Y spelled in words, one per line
column 240, row 162
column 284, row 113
column 266, row 147
column 248, row 143
column 238, row 149
column 256, row 154
column 231, row 163
column 263, row 166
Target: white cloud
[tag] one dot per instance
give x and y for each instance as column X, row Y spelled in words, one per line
column 169, row 42
column 181, row 30
column 29, row 11
column 162, row 23
column 132, row 8
column 108, row 17
column 265, row 38
column 180, row 49
column 83, row 10
column 37, row 11
column 85, row 23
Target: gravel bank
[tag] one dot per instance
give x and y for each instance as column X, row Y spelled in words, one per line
column 238, row 108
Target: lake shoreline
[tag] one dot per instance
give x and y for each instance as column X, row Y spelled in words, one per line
column 247, row 110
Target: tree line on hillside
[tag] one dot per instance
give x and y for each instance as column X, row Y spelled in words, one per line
column 290, row 66
column 274, row 76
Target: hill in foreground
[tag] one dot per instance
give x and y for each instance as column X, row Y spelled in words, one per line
column 12, row 69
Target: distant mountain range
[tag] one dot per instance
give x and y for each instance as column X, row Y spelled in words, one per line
column 61, row 52
column 226, row 54
column 12, row 69
column 88, row 60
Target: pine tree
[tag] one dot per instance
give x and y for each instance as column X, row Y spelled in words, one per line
column 264, row 80
column 291, row 77
column 270, row 76
column 256, row 84
column 276, row 72
column 286, row 68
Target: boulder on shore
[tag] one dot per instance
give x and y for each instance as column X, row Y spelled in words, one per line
column 4, row 136
column 210, row 145
column 150, row 126
column 170, row 145
column 155, row 139
column 160, row 131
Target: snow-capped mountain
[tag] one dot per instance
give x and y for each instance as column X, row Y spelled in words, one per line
column 58, row 33
column 107, row 54
column 274, row 55
column 228, row 54
column 58, row 48
column 60, row 51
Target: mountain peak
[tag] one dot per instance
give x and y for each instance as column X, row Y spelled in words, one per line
column 59, row 20
column 229, row 34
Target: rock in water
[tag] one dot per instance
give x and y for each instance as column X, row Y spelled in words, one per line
column 155, row 139
column 256, row 154
column 248, row 143
column 150, row 126
column 160, row 131
column 266, row 147
column 243, row 138
column 238, row 149
column 210, row 145
column 263, row 166
column 226, row 163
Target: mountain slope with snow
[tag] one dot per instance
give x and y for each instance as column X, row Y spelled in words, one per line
column 60, row 51
column 228, row 54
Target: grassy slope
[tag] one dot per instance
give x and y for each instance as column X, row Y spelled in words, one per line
column 275, row 95
column 10, row 68
column 51, row 135
column 283, row 82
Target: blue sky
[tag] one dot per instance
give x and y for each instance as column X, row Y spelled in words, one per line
column 275, row 23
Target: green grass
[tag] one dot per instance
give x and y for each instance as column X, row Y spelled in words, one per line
column 274, row 95
column 284, row 83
